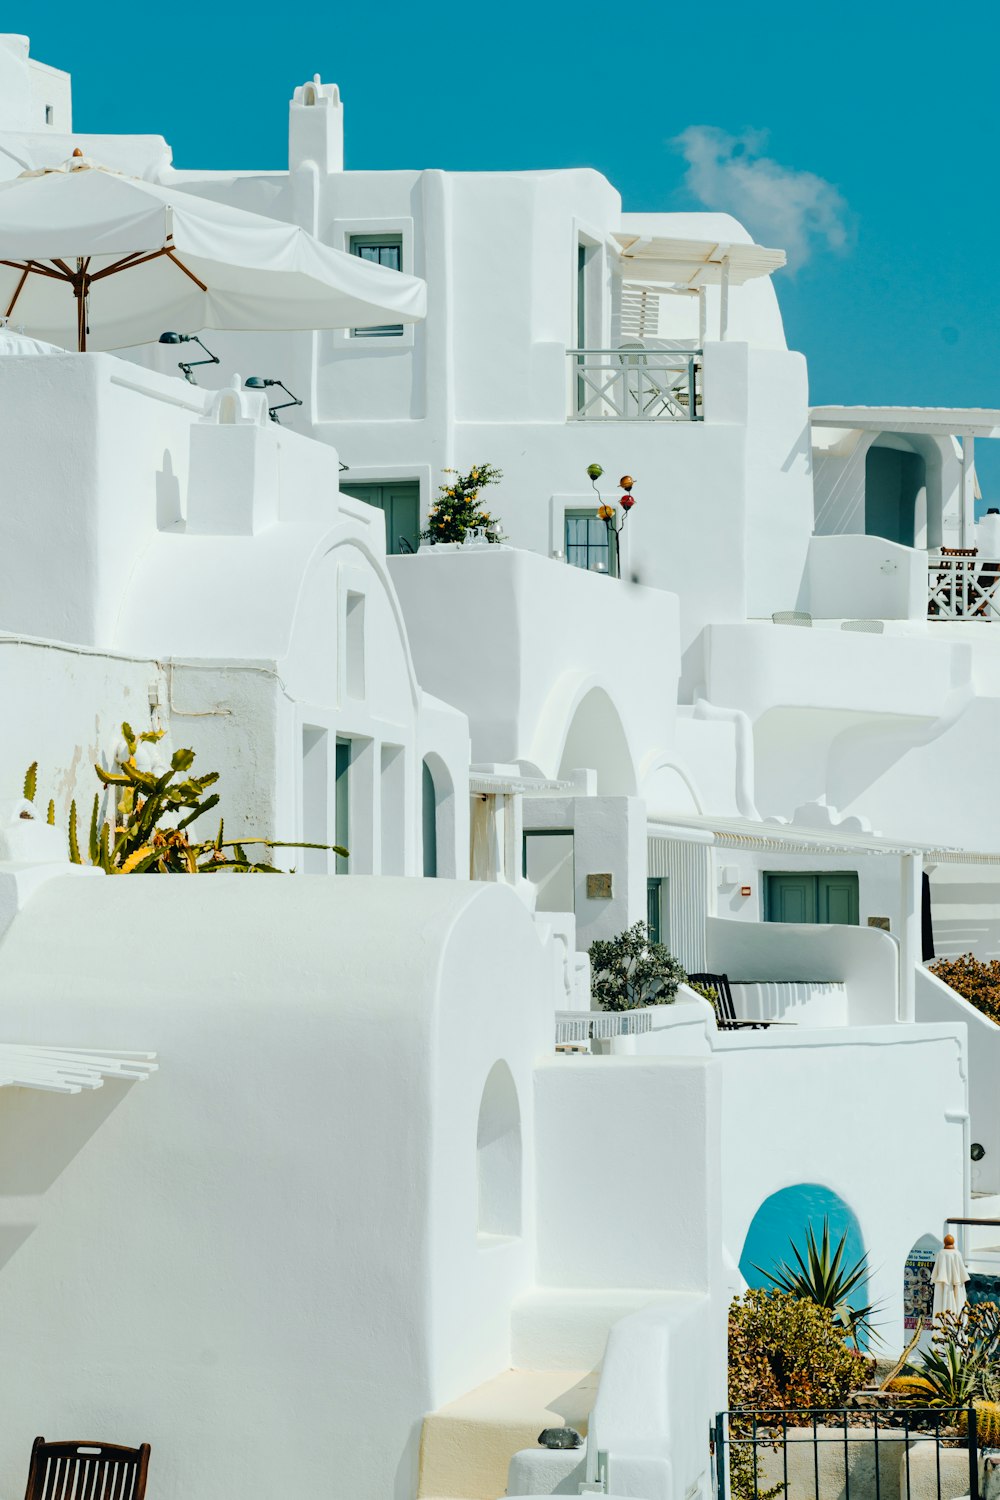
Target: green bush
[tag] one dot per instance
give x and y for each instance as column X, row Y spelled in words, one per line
column 628, row 971
column 786, row 1352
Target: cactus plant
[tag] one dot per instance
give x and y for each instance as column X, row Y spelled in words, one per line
column 148, row 834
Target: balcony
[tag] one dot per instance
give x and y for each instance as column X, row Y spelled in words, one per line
column 636, row 384
column 962, row 586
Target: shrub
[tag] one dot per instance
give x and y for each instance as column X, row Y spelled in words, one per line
column 975, row 981
column 458, row 508
column 960, row 1369
column 629, row 971
column 786, row 1352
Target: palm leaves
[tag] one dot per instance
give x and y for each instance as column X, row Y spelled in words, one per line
column 821, row 1276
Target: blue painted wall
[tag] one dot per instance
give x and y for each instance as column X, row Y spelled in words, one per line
column 786, row 1216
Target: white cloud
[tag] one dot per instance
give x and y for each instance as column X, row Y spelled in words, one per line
column 794, row 211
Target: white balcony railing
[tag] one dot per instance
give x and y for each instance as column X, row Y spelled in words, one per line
column 962, row 586
column 636, row 385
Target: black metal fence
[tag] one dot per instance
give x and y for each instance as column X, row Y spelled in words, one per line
column 810, row 1453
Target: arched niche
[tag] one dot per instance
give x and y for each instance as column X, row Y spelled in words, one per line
column 498, row 1156
column 918, row 1289
column 783, row 1220
column 596, row 740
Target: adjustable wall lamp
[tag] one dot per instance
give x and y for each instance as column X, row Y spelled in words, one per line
column 258, row 383
column 187, row 367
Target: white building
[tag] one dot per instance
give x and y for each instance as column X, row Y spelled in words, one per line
column 364, row 1204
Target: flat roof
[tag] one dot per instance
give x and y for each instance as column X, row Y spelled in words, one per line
column 941, row 421
column 786, row 838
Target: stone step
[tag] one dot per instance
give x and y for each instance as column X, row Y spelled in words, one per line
column 466, row 1446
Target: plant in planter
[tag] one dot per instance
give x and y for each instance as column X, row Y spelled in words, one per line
column 152, row 815
column 458, row 509
column 821, row 1276
column 785, row 1352
column 629, row 970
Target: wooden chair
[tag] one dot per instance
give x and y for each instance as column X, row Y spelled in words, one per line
column 725, row 1011
column 99, row 1471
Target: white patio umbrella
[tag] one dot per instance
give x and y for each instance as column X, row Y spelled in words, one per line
column 90, row 258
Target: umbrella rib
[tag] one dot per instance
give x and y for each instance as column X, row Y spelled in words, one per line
column 129, row 262
column 33, row 265
column 17, row 292
column 182, row 267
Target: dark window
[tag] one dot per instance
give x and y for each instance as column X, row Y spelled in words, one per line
column 381, row 250
column 586, row 541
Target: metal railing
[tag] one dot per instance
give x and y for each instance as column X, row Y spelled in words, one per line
column 637, row 385
column 962, row 587
column 811, row 1453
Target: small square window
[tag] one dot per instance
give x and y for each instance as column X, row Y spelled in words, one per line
column 587, row 541
column 381, row 250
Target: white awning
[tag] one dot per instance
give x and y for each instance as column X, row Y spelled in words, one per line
column 65, row 1070
column 939, row 421
column 694, row 263
column 785, row 838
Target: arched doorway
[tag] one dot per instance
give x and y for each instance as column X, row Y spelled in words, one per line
column 904, row 486
column 437, row 822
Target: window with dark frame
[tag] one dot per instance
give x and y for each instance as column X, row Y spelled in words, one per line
column 381, row 250
column 586, row 541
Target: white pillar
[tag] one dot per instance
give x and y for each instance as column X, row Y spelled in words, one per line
column 724, row 298
column 910, row 933
column 967, row 497
column 702, row 317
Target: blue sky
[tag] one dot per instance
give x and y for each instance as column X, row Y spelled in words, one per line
column 862, row 136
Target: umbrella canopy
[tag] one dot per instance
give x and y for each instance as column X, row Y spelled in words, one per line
column 93, row 259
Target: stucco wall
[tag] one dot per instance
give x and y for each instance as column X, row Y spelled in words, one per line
column 277, row 1234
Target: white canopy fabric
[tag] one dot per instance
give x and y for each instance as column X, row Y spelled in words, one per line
column 93, row 259
column 694, row 263
column 949, row 1276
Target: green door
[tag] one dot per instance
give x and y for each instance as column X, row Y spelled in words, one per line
column 342, row 808
column 838, row 898
column 825, row 896
column 401, row 506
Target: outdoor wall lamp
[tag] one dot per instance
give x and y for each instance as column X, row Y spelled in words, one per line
column 258, row 383
column 187, row 367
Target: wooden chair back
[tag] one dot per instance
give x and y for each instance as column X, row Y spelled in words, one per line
column 725, row 1010
column 86, row 1471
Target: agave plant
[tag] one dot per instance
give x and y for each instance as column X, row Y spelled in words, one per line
column 946, row 1379
column 821, row 1276
column 152, row 815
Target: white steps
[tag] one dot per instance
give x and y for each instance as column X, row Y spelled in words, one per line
column 466, row 1446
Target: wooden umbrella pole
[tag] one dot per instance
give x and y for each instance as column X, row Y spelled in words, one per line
column 80, row 293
